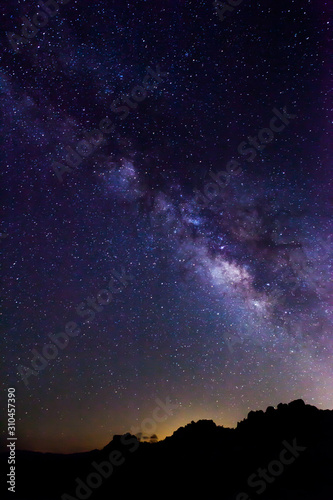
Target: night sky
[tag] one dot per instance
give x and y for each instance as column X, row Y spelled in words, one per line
column 221, row 293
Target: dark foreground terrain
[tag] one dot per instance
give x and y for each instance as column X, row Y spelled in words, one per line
column 281, row 454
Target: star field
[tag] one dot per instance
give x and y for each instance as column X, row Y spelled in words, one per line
column 229, row 303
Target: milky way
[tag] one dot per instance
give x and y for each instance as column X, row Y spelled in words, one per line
column 187, row 150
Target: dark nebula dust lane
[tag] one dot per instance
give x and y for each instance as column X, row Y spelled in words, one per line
column 179, row 161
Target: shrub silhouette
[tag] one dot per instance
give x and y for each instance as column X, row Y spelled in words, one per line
column 199, row 456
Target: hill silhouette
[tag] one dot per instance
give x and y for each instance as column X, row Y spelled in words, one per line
column 284, row 453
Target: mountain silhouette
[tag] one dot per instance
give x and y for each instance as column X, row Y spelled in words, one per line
column 284, row 453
